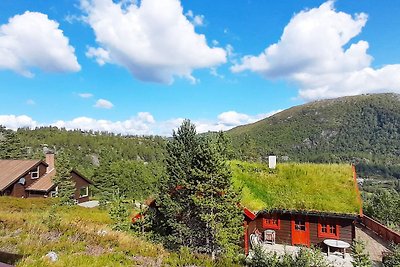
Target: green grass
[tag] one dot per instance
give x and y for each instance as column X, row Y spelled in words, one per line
column 33, row 227
column 294, row 186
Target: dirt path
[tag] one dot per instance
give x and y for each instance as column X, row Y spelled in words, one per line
column 374, row 244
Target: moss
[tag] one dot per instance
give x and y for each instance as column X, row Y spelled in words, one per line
column 295, row 186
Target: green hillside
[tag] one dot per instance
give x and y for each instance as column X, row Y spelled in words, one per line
column 362, row 129
column 294, row 186
column 131, row 163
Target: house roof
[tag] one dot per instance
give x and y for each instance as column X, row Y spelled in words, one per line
column 324, row 188
column 12, row 170
column 46, row 183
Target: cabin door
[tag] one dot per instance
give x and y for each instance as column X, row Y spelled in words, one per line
column 300, row 230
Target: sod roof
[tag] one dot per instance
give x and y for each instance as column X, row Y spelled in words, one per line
column 296, row 186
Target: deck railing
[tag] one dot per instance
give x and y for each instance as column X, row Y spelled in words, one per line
column 386, row 233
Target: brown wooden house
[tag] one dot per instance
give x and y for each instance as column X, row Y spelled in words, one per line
column 302, row 204
column 34, row 178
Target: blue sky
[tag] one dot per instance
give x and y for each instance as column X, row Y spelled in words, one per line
column 150, row 64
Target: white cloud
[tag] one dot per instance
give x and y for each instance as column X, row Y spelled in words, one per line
column 30, row 102
column 72, row 18
column 85, row 95
column 31, row 40
column 141, row 124
column 197, row 20
column 14, row 122
column 312, row 53
column 138, row 125
column 101, row 55
column 153, row 39
column 103, row 103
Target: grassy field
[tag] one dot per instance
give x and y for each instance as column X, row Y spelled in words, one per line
column 320, row 187
column 80, row 237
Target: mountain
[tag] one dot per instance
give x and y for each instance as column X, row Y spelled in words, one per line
column 362, row 129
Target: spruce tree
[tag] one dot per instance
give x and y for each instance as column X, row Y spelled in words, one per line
column 360, row 256
column 197, row 206
column 105, row 181
column 63, row 180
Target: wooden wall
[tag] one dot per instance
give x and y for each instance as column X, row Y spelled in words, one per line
column 18, row 190
column 283, row 235
column 79, row 182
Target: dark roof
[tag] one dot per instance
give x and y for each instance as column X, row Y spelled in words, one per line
column 12, row 170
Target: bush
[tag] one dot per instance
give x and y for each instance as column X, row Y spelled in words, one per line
column 305, row 258
column 360, row 256
column 393, row 259
column 52, row 219
column 119, row 215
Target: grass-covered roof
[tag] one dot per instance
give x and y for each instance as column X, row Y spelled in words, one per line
column 295, row 186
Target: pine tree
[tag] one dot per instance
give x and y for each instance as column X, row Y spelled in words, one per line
column 105, row 181
column 63, row 180
column 361, row 258
column 197, row 206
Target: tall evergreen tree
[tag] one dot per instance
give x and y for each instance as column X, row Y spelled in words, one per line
column 105, row 180
column 63, row 179
column 197, row 206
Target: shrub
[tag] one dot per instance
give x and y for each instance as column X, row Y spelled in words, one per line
column 360, row 257
column 393, row 259
column 305, row 258
column 52, row 219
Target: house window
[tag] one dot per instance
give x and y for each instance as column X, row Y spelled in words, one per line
column 300, row 224
column 35, row 173
column 84, row 191
column 271, row 221
column 328, row 228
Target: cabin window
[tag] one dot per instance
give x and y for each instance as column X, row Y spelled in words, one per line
column 84, row 191
column 300, row 224
column 328, row 228
column 35, row 173
column 271, row 221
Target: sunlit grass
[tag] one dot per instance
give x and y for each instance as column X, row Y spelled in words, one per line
column 295, row 186
column 82, row 238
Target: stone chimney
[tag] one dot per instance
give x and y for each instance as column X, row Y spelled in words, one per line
column 272, row 162
column 50, row 161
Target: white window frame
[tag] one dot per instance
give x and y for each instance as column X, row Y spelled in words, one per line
column 35, row 172
column 87, row 191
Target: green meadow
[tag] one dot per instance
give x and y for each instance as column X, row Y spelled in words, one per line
column 80, row 237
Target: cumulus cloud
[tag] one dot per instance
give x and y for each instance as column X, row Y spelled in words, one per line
column 138, row 125
column 85, row 95
column 315, row 52
column 153, row 39
column 103, row 103
column 32, row 40
column 14, row 122
column 143, row 123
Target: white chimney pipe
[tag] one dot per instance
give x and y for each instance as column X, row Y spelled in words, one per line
column 272, row 162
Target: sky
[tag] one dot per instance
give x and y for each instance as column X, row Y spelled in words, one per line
column 139, row 67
